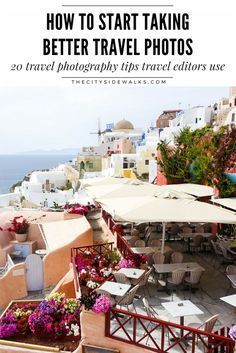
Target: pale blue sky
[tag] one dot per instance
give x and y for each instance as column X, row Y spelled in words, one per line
column 57, row 118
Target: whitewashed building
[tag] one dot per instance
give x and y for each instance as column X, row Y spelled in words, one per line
column 46, row 187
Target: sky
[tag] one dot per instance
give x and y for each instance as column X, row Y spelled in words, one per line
column 48, row 118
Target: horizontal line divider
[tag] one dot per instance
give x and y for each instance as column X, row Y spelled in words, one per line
column 116, row 77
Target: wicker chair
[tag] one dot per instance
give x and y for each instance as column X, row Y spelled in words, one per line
column 139, row 243
column 193, row 280
column 195, row 243
column 132, row 241
column 173, row 231
column 218, row 255
column 175, row 281
column 206, row 326
column 168, row 256
column 150, row 259
column 154, row 242
column 199, row 229
column 158, row 258
column 216, row 248
column 177, row 257
column 128, row 298
column 185, row 230
column 143, row 281
column 121, row 278
column 230, row 270
column 206, row 244
column 134, row 232
column 227, row 257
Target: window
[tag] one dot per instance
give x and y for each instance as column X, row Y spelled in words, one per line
column 131, row 165
column 147, row 162
column 233, row 118
column 196, row 120
column 125, row 165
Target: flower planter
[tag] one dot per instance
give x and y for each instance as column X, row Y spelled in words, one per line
column 32, row 343
column 20, row 237
column 68, row 216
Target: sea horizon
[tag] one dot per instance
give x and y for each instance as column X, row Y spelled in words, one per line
column 13, row 167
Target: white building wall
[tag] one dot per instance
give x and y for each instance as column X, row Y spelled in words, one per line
column 231, row 117
column 58, row 178
column 98, row 150
column 60, row 197
column 152, row 170
column 115, row 163
column 195, row 115
column 194, row 118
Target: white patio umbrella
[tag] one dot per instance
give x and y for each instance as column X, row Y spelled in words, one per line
column 134, row 188
column 153, row 209
column 128, row 189
column 229, row 202
column 101, row 181
column 192, row 189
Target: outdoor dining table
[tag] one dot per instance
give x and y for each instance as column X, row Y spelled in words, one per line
column 150, row 249
column 232, row 279
column 189, row 236
column 134, row 273
column 168, row 268
column 181, row 308
column 230, row 299
column 115, row 288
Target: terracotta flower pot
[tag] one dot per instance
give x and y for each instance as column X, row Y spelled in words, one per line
column 20, row 237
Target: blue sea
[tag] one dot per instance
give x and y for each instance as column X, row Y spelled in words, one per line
column 13, row 168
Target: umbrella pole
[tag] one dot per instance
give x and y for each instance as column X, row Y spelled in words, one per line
column 163, row 237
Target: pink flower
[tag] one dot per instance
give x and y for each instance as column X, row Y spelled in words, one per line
column 102, row 304
column 124, row 263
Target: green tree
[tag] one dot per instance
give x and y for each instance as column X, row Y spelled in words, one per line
column 201, row 156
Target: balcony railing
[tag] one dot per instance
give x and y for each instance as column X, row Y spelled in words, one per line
column 163, row 337
column 122, row 246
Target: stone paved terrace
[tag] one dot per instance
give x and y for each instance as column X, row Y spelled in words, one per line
column 214, row 284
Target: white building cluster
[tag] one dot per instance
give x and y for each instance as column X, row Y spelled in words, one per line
column 122, row 150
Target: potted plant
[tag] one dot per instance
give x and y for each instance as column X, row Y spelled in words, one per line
column 53, row 322
column 232, row 334
column 134, row 261
column 20, row 226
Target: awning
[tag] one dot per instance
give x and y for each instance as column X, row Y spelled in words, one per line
column 227, row 202
column 152, row 209
column 101, row 181
column 192, row 189
column 133, row 188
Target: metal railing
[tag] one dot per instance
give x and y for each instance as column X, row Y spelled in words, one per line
column 123, row 246
column 163, row 337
